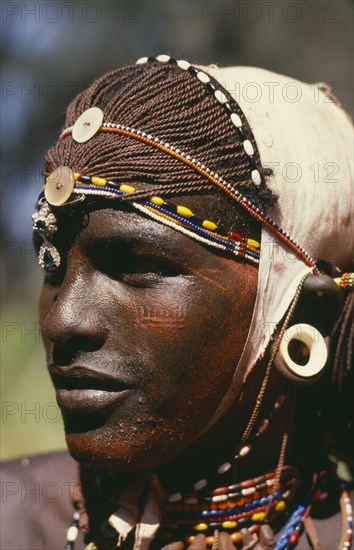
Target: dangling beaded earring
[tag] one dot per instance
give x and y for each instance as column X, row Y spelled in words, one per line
column 314, row 353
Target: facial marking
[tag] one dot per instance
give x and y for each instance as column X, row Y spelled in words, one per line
column 160, row 316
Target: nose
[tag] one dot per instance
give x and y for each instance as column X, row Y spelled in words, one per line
column 75, row 323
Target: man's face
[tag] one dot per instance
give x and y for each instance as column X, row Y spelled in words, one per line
column 143, row 333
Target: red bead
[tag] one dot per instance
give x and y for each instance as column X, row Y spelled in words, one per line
column 220, row 491
column 235, row 236
column 247, row 484
column 293, row 538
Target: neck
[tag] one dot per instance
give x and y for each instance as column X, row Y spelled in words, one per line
column 256, row 455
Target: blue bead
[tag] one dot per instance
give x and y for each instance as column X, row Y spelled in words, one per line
column 242, row 134
column 252, row 162
column 193, row 70
column 41, row 226
column 113, row 184
column 48, row 260
column 229, row 110
column 211, row 87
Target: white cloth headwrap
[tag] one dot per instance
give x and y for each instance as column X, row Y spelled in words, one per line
column 307, row 140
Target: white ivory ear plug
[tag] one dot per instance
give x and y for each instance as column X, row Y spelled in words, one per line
column 316, row 345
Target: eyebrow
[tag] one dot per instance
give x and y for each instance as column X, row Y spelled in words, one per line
column 149, row 242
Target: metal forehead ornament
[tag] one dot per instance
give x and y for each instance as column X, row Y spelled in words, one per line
column 45, row 224
column 58, row 189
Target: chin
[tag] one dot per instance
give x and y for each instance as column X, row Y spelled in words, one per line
column 106, row 451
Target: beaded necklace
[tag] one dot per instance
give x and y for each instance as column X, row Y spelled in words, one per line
column 232, row 508
column 244, row 516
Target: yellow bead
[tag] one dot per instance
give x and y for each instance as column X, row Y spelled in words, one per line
column 236, row 537
column 253, row 243
column 258, row 516
column 201, row 527
column 209, row 541
column 184, row 211
column 98, row 181
column 126, row 188
column 76, row 176
column 229, row 524
column 207, row 224
column 157, row 200
column 280, row 506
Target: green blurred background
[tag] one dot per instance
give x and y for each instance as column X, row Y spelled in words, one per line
column 51, row 51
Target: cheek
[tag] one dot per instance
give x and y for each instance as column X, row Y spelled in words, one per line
column 47, row 298
column 185, row 339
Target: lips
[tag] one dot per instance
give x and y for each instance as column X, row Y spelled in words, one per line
column 85, row 390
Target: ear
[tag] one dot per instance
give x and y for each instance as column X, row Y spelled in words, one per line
column 303, row 351
column 320, row 303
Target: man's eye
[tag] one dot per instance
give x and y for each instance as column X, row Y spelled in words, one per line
column 136, row 270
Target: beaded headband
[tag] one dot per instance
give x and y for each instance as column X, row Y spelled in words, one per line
column 63, row 183
column 176, row 216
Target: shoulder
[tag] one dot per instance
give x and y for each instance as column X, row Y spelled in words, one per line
column 35, row 502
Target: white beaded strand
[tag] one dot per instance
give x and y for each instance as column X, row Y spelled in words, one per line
column 219, row 96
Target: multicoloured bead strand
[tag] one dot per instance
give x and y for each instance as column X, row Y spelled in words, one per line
column 177, row 216
column 345, row 281
column 243, row 518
